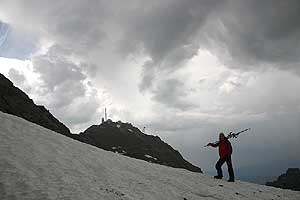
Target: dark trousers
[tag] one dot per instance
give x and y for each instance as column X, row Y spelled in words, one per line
column 229, row 165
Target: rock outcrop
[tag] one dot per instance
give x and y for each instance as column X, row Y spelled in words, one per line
column 289, row 180
column 14, row 101
column 128, row 140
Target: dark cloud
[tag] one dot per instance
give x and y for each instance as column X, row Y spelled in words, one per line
column 166, row 26
column 248, row 34
column 57, row 71
column 241, row 33
column 149, row 73
column 90, row 69
column 65, row 88
column 172, row 93
column 166, row 31
column 61, row 79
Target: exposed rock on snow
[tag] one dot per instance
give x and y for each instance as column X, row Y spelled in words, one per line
column 37, row 163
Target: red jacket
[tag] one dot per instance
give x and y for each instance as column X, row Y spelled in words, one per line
column 225, row 148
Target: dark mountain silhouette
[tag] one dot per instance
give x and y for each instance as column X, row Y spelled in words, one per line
column 117, row 137
column 128, row 140
column 289, row 180
column 14, row 101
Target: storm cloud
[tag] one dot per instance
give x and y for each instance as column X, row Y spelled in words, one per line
column 172, row 93
column 256, row 33
column 184, row 69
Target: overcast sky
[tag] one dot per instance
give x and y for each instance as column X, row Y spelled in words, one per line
column 186, row 70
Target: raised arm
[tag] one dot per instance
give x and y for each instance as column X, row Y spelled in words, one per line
column 213, row 144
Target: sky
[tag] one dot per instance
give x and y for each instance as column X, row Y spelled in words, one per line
column 185, row 70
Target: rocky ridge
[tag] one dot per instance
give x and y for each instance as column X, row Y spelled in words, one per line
column 122, row 138
column 128, row 140
column 14, row 101
column 288, row 180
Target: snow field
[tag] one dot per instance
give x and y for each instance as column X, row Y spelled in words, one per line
column 37, row 163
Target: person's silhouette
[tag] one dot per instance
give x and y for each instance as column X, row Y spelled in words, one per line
column 225, row 151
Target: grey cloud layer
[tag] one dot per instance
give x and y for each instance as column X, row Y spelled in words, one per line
column 93, row 40
column 163, row 30
column 171, row 31
column 166, row 31
column 65, row 86
column 256, row 32
column 172, row 93
column 241, row 33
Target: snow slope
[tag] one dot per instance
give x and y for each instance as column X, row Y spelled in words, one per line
column 37, row 163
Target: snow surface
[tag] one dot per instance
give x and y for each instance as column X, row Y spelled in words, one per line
column 37, row 163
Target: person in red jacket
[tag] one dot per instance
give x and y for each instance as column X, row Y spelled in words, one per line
column 225, row 151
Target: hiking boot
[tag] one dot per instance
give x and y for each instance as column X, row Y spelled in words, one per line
column 230, row 180
column 218, row 177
